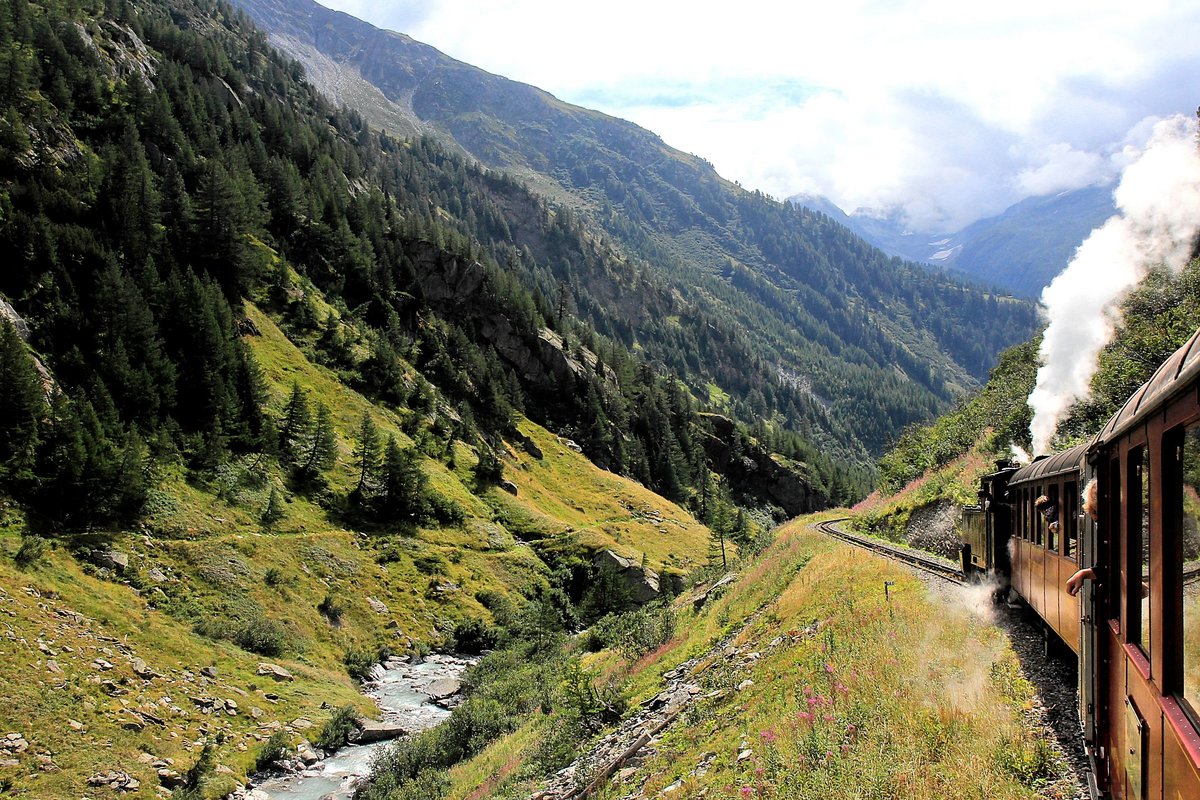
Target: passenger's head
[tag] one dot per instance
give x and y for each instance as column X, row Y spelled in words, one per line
column 1090, row 501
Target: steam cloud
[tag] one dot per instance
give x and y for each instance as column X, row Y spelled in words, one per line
column 1158, row 202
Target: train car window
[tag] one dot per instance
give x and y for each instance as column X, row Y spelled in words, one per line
column 1111, row 538
column 1138, row 521
column 1039, row 537
column 1052, row 519
column 1026, row 530
column 1190, row 567
column 1070, row 520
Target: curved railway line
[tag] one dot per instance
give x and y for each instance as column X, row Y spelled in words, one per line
column 931, row 564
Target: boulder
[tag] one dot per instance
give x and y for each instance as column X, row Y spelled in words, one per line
column 443, row 688
column 712, row 591
column 378, row 606
column 306, row 754
column 275, row 671
column 643, row 584
column 372, row 731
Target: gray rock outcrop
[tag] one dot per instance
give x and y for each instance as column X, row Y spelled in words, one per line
column 643, row 583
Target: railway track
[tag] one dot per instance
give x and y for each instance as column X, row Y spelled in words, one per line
column 930, row 564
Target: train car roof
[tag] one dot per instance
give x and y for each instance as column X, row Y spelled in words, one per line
column 1172, row 376
column 1056, row 464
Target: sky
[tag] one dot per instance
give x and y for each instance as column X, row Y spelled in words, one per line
column 938, row 110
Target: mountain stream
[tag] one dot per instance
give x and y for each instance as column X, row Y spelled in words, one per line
column 398, row 691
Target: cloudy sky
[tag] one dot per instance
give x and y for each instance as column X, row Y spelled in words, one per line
column 947, row 112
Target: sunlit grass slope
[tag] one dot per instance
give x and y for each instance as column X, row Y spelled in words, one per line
column 825, row 686
column 203, row 572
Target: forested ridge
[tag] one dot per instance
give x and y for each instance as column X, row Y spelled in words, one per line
column 782, row 312
column 161, row 164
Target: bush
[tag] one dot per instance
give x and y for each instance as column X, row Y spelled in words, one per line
column 331, row 609
column 360, row 661
column 31, row 551
column 275, row 749
column 634, row 633
column 473, row 636
column 263, row 636
column 336, row 732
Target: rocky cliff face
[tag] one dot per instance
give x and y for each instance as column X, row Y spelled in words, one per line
column 457, row 285
column 772, row 476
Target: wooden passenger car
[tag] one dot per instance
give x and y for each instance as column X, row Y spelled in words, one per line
column 1141, row 673
column 1045, row 550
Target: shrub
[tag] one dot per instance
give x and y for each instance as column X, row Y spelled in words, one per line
column 430, row 564
column 473, row 635
column 444, row 509
column 331, row 609
column 275, row 749
column 336, row 732
column 263, row 636
column 634, row 633
column 360, row 661
column 31, row 551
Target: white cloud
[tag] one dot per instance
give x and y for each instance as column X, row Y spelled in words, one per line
column 950, row 110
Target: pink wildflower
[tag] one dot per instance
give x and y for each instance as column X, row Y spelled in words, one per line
column 804, row 716
column 768, row 736
column 747, row 792
column 828, row 717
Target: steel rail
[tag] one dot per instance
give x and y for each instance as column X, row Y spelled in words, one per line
column 928, row 564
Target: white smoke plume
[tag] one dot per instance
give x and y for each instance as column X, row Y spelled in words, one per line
column 1158, row 202
column 1019, row 455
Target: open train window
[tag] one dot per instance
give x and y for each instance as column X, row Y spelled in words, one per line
column 1052, row 519
column 1025, row 501
column 1137, row 588
column 1187, row 504
column 1039, row 530
column 1070, row 520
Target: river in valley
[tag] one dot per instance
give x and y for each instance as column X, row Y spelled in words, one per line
column 398, row 691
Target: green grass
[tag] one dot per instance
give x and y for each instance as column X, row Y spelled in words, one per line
column 205, row 573
column 844, row 693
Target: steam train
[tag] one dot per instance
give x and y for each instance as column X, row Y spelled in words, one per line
column 1135, row 628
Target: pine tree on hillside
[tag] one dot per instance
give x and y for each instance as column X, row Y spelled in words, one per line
column 22, row 406
column 402, row 496
column 323, row 449
column 367, row 454
column 296, row 430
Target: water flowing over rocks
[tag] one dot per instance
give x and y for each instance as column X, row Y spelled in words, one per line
column 412, row 695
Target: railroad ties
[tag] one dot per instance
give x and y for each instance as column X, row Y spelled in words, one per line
column 929, row 563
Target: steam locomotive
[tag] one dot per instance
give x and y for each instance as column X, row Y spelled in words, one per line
column 1135, row 628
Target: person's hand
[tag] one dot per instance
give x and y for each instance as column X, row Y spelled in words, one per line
column 1075, row 582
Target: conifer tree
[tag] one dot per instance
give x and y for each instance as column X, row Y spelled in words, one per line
column 404, row 484
column 21, row 407
column 367, row 455
column 323, row 449
column 274, row 510
column 296, row 430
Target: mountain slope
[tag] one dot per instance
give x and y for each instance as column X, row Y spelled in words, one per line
column 853, row 345
column 1020, row 250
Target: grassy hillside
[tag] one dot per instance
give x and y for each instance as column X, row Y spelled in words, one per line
column 813, row 684
column 205, row 584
